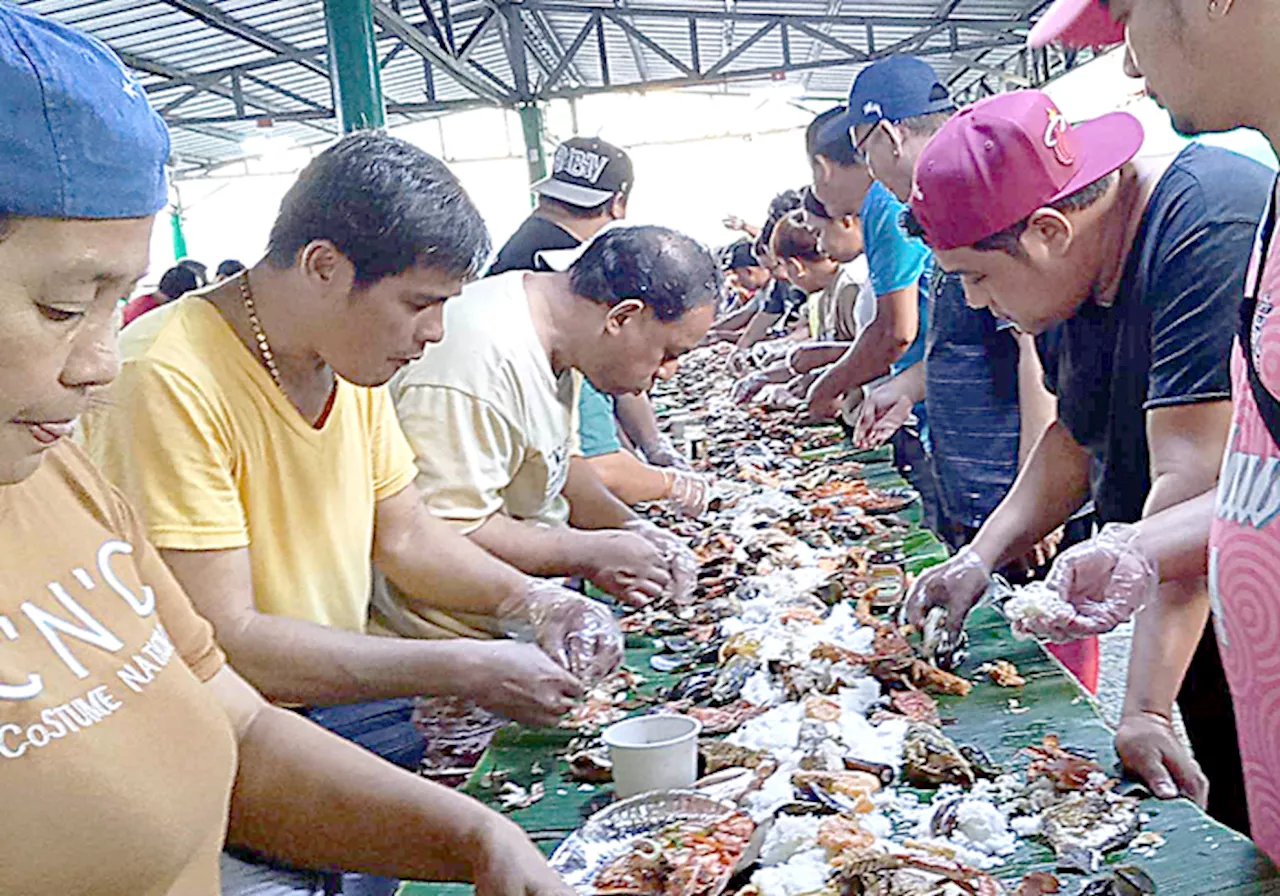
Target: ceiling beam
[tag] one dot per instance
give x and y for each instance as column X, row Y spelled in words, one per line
column 216, row 18
column 396, row 24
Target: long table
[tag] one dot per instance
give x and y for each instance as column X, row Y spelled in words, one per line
column 1199, row 855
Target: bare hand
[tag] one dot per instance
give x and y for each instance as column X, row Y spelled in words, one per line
column 955, row 585
column 508, row 864
column 519, row 681
column 627, row 565
column 747, row 388
column 733, row 222
column 881, row 415
column 1149, row 749
column 823, row 401
column 739, row 362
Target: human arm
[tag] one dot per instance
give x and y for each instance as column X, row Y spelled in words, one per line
column 1186, row 444
column 291, row 772
column 1037, row 406
column 798, row 361
column 756, row 329
column 884, row 341
column 733, row 222
column 640, row 423
column 295, row 661
column 633, row 481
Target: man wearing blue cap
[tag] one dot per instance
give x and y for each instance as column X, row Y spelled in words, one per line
column 982, row 384
column 898, row 268
column 132, row 751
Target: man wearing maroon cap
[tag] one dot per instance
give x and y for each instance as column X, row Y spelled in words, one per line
column 1178, row 47
column 1130, row 271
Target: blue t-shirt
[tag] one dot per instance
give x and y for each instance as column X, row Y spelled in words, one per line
column 597, row 429
column 895, row 260
column 1166, row 339
column 971, row 391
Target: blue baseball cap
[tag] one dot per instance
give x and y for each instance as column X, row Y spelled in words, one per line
column 892, row 89
column 80, row 139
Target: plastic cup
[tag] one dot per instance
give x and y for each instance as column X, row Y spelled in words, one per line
column 658, row 752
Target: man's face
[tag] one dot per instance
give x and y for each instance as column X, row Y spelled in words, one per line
column 753, row 278
column 1180, row 51
column 1036, row 289
column 636, row 349
column 841, row 189
column 839, row 238
column 375, row 330
column 812, row 276
column 61, row 283
column 890, row 164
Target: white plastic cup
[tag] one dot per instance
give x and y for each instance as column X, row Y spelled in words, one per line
column 658, row 752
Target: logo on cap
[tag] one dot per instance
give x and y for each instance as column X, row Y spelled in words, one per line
column 1056, row 137
column 871, row 107
column 580, row 163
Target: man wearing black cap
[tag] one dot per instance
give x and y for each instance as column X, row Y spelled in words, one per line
column 588, row 189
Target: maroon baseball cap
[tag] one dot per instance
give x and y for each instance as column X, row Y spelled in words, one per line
column 1076, row 23
column 997, row 161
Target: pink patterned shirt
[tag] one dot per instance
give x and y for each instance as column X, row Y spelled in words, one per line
column 1244, row 556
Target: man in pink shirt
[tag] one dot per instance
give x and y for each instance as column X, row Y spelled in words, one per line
column 176, row 282
column 1179, row 46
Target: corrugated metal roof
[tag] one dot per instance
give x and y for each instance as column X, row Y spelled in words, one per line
column 219, row 70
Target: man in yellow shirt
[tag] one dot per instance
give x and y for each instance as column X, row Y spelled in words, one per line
column 491, row 410
column 248, row 428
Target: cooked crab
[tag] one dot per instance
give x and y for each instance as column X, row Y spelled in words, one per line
column 1067, row 770
column 931, row 758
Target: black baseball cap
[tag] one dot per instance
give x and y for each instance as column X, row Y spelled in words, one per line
column 586, row 172
column 738, row 256
column 812, row 205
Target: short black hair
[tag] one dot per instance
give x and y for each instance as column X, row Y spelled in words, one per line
column 928, row 124
column 386, row 205
column 779, row 207
column 668, row 271
column 179, row 280
column 196, row 267
column 578, row 211
column 837, row 146
column 792, row 238
column 1009, row 240
column 230, row 268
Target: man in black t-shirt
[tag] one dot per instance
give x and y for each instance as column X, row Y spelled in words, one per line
column 588, row 189
column 1131, row 273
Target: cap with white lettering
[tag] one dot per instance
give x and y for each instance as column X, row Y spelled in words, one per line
column 586, row 172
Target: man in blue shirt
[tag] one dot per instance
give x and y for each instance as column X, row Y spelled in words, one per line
column 899, row 268
column 984, row 413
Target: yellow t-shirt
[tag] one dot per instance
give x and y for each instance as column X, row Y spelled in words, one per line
column 116, row 764
column 491, row 424
column 215, row 457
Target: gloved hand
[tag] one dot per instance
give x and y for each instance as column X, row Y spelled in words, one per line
column 689, row 493
column 1099, row 583
column 681, row 562
column 664, row 454
column 581, row 635
column 955, row 586
column 882, row 414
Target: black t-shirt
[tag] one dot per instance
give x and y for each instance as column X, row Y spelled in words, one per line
column 1166, row 339
column 782, row 298
column 533, row 236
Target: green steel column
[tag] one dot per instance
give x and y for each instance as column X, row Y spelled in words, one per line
column 179, row 238
column 535, row 153
column 353, row 65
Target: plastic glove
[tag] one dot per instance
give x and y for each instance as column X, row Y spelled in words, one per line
column 955, row 586
column 882, row 414
column 689, row 493
column 681, row 562
column 664, row 454
column 581, row 635
column 1100, row 584
column 746, row 388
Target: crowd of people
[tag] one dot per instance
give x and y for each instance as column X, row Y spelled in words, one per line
column 375, row 465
